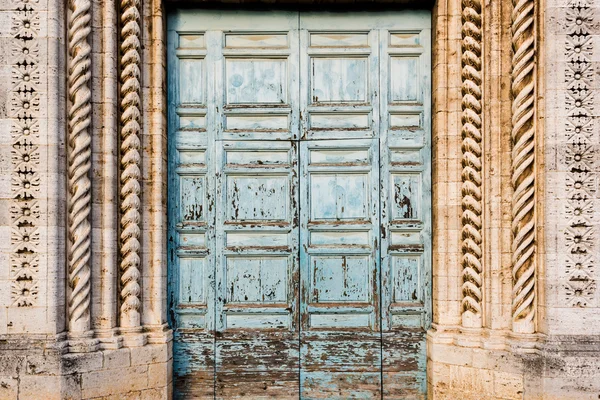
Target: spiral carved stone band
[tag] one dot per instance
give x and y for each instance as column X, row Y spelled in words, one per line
column 523, row 168
column 471, row 162
column 79, row 165
column 130, row 164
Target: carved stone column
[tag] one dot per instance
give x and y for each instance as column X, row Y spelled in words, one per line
column 523, row 166
column 471, row 234
column 79, row 165
column 130, row 314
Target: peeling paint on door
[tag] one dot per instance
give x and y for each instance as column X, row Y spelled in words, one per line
column 299, row 204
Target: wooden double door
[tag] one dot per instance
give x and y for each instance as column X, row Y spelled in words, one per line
column 299, row 198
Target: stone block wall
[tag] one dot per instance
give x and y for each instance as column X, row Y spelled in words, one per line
column 30, row 370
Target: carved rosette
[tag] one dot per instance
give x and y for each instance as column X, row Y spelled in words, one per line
column 523, row 165
column 471, row 162
column 130, row 163
column 581, row 146
column 79, row 165
column 25, row 155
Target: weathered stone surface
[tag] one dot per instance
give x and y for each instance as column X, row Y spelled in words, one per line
column 480, row 359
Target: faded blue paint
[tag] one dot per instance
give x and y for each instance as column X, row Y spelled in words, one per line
column 299, row 203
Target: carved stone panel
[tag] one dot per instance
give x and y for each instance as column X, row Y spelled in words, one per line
column 573, row 165
column 24, row 110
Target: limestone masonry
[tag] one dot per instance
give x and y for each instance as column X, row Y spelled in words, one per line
column 515, row 205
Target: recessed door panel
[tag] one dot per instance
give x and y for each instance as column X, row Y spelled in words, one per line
column 256, row 81
column 339, row 79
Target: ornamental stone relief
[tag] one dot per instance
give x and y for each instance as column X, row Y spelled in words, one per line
column 472, row 208
column 523, row 165
column 78, row 159
column 579, row 157
column 130, row 315
column 25, row 156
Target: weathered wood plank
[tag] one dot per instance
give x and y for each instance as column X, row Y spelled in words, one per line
column 404, row 359
column 340, row 385
column 257, row 385
column 193, row 365
column 262, row 366
column 348, row 350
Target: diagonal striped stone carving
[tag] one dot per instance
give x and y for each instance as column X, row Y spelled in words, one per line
column 471, row 162
column 79, row 165
column 523, row 165
column 130, row 164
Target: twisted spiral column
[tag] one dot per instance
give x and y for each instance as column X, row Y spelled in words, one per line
column 130, row 164
column 523, row 170
column 471, row 162
column 79, row 165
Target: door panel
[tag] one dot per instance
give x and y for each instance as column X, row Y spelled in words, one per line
column 299, row 203
column 405, row 210
column 191, row 234
column 257, row 234
column 234, row 204
column 340, row 342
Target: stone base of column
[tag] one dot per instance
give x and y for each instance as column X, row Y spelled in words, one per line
column 84, row 342
column 109, row 339
column 133, row 337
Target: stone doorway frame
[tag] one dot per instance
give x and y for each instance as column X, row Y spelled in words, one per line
column 487, row 174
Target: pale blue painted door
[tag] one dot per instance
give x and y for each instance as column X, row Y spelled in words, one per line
column 299, row 203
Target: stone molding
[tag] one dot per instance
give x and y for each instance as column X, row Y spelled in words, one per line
column 523, row 165
column 471, row 176
column 125, row 328
column 472, row 206
column 130, row 247
column 79, row 165
column 498, row 167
